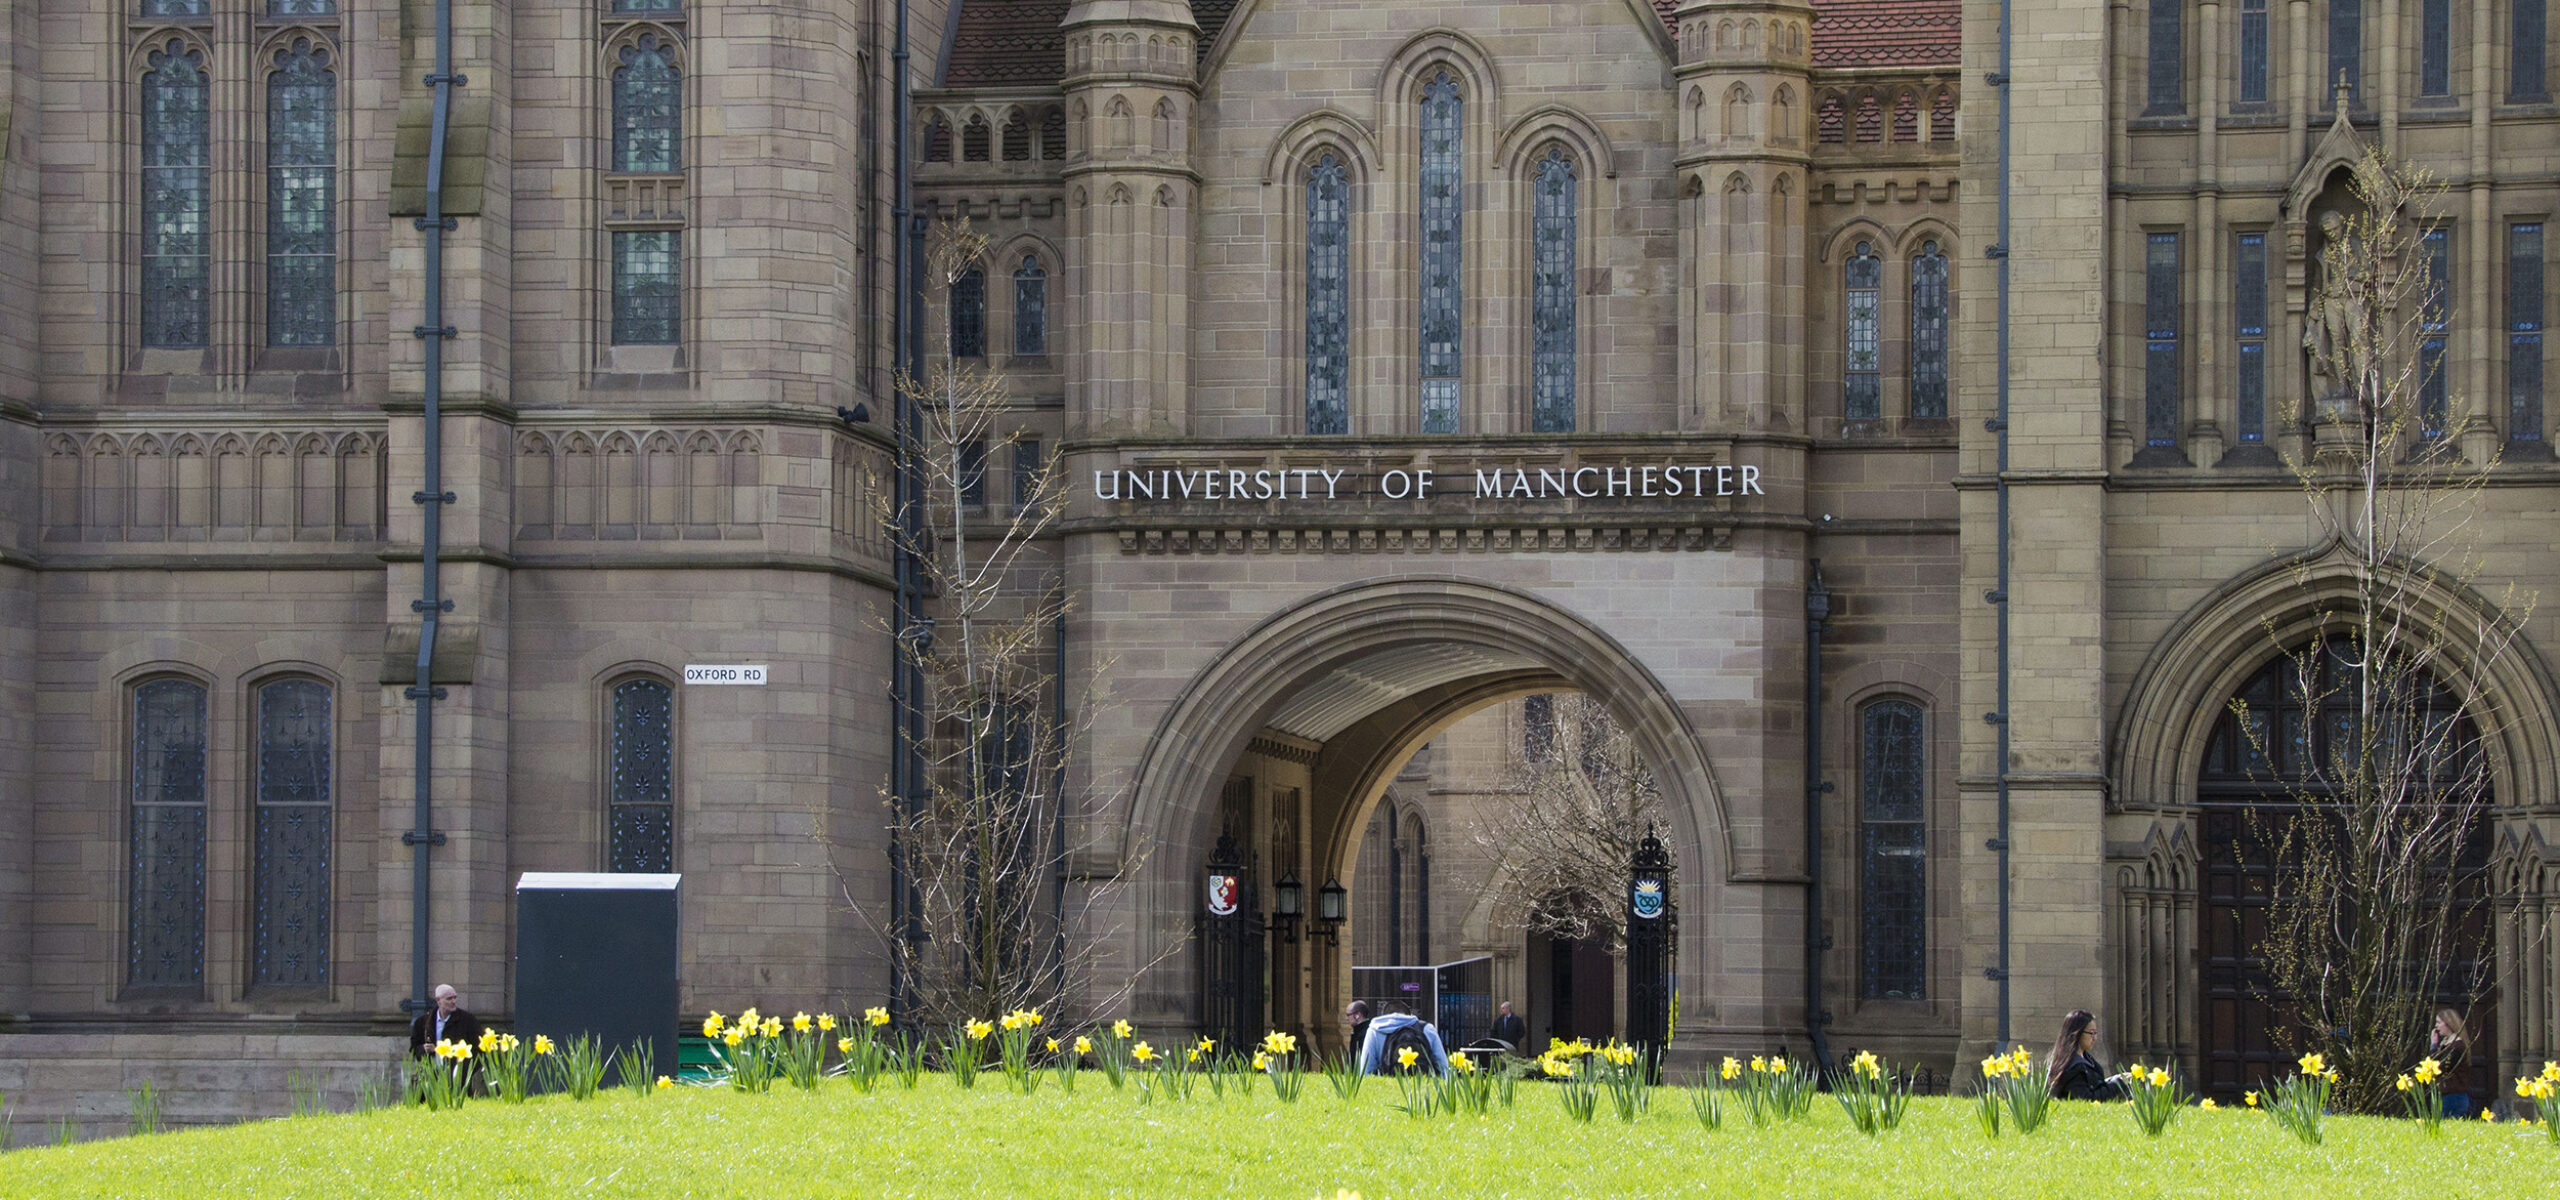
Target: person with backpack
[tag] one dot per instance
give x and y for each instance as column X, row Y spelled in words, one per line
column 1393, row 1033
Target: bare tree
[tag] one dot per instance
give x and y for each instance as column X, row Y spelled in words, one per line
column 1565, row 824
column 2379, row 841
column 987, row 836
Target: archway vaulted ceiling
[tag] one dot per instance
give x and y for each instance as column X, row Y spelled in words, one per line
column 1339, row 698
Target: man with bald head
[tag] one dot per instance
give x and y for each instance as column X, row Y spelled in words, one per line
column 446, row 1022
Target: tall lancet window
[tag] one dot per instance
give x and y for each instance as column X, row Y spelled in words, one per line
column 2346, row 51
column 641, row 823
column 1864, row 278
column 176, row 185
column 289, row 922
column 1551, row 299
column 1030, row 308
column 1443, row 220
column 1328, row 296
column 1929, row 333
column 164, row 875
column 1893, row 873
column 302, row 192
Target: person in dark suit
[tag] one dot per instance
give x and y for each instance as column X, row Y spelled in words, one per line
column 1355, row 1017
column 448, row 1021
column 2073, row 1071
column 1508, row 1027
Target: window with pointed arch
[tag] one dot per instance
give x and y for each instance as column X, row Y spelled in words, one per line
column 165, row 839
column 1862, row 281
column 1443, row 177
column 1552, row 299
column 1929, row 333
column 302, row 194
column 643, row 202
column 1893, row 893
column 1328, row 283
column 177, row 188
column 1030, row 308
column 640, row 832
column 969, row 314
column 290, row 895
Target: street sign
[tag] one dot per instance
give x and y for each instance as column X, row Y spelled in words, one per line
column 741, row 674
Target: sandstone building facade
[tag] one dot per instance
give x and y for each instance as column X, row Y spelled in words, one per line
column 1670, row 300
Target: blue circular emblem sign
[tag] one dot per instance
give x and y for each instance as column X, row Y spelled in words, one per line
column 1645, row 898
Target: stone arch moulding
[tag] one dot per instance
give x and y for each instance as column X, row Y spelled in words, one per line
column 1836, row 244
column 1559, row 123
column 1322, row 128
column 1213, row 718
column 1400, row 81
column 2229, row 634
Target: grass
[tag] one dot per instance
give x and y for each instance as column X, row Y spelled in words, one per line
column 942, row 1141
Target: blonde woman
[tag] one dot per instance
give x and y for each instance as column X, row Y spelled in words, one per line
column 2449, row 1043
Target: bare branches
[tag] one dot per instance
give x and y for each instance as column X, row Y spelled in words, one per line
column 1562, row 831
column 2377, row 756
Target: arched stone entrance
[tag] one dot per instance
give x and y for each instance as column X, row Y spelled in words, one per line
column 1354, row 680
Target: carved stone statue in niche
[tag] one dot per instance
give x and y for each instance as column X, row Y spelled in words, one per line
column 2337, row 310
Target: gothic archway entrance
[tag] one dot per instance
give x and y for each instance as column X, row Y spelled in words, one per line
column 1297, row 733
column 2263, row 775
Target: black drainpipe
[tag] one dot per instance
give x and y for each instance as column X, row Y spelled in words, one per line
column 909, row 631
column 1817, row 613
column 430, row 604
column 1999, row 595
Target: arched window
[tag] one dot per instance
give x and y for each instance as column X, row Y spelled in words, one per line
column 647, row 107
column 2435, row 47
column 1414, row 892
column 302, row 192
column 1863, row 279
column 641, row 833
column 975, row 138
column 1893, row 892
column 176, row 188
column 1030, row 308
column 1929, row 333
column 1017, row 137
column 1328, row 296
column 290, row 902
column 1538, row 728
column 2168, row 58
column 2253, row 51
column 1373, row 888
column 1552, row 300
column 2526, row 63
column 2346, row 52
column 969, row 314
column 1443, row 222
column 164, row 879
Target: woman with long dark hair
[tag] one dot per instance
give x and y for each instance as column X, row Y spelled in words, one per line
column 2073, row 1072
column 2449, row 1044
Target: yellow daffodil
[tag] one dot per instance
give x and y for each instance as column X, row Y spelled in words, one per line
column 826, row 1022
column 488, row 1040
column 733, row 1036
column 664, row 1083
column 1142, row 1051
column 711, row 1025
column 1193, row 1055
column 1463, row 1065
column 2428, row 1070
column 2551, row 1071
column 2524, row 1088
column 1407, row 1057
column 844, row 1045
column 2489, row 1115
column 1207, row 1045
column 1995, row 1067
column 751, row 1017
column 2314, row 1064
column 2402, row 1083
column 773, row 1027
column 1731, row 1069
column 462, row 1049
column 507, row 1043
column 1084, row 1045
column 1277, row 1042
column 1555, row 1068
column 2251, row 1099
column 1261, row 1061
column 800, row 1022
column 875, row 1017
column 1866, row 1064
column 2159, row 1078
column 1053, row 1045
column 1120, row 1029
column 1759, row 1065
column 979, row 1029
column 542, row 1043
column 2207, row 1104
column 1011, row 1021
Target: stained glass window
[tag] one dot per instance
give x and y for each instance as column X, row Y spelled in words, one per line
column 2161, row 397
column 647, row 286
column 302, row 193
column 2525, row 62
column 2524, row 332
column 1893, row 896
column 2435, row 250
column 2346, row 51
column 1538, row 728
column 972, row 461
column 2249, row 315
column 289, row 920
column 1929, row 333
column 1552, row 300
column 302, row 8
column 647, row 107
column 969, row 314
column 2253, row 51
column 164, row 914
column 1029, row 470
column 1328, row 296
column 642, row 835
column 177, row 8
column 2168, row 57
column 1863, row 276
column 648, row 6
column 176, row 180
column 2435, row 48
column 1030, row 308
column 1443, row 221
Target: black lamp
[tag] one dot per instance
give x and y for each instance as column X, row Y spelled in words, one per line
column 1289, row 898
column 1332, row 903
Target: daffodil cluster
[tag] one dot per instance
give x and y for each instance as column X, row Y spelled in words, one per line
column 2012, row 1091
column 1873, row 1099
column 2542, row 1089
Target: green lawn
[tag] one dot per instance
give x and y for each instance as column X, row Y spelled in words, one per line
column 942, row 1141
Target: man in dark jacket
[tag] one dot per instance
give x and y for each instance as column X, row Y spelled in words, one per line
column 1509, row 1028
column 446, row 1022
column 1355, row 1019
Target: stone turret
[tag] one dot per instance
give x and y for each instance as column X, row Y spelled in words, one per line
column 1745, row 97
column 1132, row 88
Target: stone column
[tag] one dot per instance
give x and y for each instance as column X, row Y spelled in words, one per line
column 1742, row 63
column 1131, row 99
